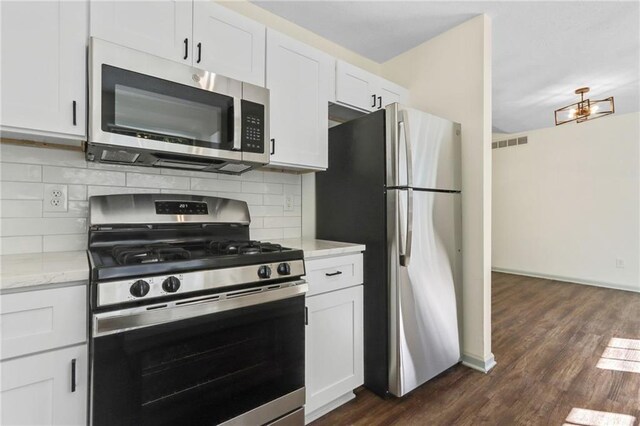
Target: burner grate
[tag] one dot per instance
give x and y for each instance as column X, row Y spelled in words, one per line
column 127, row 255
column 242, row 247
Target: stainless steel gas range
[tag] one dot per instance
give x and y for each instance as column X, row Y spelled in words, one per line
column 192, row 323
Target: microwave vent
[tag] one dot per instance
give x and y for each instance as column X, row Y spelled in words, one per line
column 114, row 156
column 234, row 168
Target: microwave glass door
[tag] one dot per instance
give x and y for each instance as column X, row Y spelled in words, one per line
column 143, row 106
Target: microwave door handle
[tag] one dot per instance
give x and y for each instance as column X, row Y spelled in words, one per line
column 237, row 124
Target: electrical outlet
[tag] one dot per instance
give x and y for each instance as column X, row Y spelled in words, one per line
column 620, row 263
column 288, row 203
column 55, row 198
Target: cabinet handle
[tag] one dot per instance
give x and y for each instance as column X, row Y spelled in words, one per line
column 379, row 102
column 186, row 48
column 73, row 375
column 306, row 316
column 374, row 100
column 273, row 146
column 199, row 52
column 333, row 274
column 75, row 123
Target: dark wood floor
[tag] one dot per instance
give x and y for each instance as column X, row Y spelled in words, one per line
column 547, row 339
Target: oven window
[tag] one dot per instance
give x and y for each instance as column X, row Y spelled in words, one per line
column 142, row 106
column 200, row 371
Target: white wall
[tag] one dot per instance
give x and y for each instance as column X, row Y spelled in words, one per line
column 25, row 170
column 566, row 205
column 450, row 76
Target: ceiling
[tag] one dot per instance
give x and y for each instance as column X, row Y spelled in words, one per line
column 542, row 51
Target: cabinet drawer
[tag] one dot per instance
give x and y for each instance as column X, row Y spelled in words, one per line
column 38, row 320
column 333, row 273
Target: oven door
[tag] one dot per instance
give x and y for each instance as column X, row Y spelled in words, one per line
column 242, row 356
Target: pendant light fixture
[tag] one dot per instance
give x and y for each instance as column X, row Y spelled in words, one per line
column 585, row 109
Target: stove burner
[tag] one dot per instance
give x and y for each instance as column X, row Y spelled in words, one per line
column 126, row 255
column 242, row 247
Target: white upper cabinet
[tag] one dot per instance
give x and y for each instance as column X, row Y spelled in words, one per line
column 298, row 80
column 159, row 27
column 365, row 91
column 228, row 43
column 43, row 67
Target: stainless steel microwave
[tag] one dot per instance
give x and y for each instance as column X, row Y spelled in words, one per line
column 150, row 111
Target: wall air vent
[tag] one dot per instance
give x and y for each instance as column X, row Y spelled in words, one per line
column 510, row 142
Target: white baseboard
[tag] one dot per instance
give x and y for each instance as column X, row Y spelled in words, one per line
column 484, row 366
column 319, row 412
column 573, row 280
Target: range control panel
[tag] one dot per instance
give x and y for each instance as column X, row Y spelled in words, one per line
column 181, row 207
column 252, row 127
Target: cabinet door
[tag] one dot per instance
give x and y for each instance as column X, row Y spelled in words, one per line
column 43, row 66
column 228, row 43
column 389, row 93
column 38, row 390
column 298, row 78
column 334, row 341
column 159, row 27
column 355, row 87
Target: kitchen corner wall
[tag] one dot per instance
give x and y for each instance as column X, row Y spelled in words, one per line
column 25, row 170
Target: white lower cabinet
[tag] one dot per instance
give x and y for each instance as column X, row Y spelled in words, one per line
column 40, row 389
column 334, row 343
column 44, row 368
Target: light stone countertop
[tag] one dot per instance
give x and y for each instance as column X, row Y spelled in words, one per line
column 19, row 271
column 319, row 248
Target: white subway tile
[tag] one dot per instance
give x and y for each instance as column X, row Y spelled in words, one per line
column 292, row 232
column 43, row 226
column 77, row 192
column 253, row 176
column 262, row 188
column 21, row 172
column 19, row 245
column 82, row 176
column 74, row 209
column 265, row 211
column 292, row 189
column 182, row 191
column 72, row 242
column 273, row 200
column 21, row 208
column 108, row 190
column 157, row 181
column 21, row 191
column 251, row 199
column 297, row 211
column 257, row 223
column 36, row 155
column 219, row 185
column 279, row 177
column 297, row 200
column 282, row 222
column 266, row 234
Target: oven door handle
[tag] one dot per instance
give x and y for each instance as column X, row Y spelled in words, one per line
column 146, row 316
column 237, row 124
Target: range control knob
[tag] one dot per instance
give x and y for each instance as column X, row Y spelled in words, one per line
column 284, row 269
column 264, row 271
column 171, row 284
column 139, row 288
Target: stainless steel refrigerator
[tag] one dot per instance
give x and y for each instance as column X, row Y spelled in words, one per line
column 394, row 183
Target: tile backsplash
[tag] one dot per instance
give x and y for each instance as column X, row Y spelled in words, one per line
column 25, row 170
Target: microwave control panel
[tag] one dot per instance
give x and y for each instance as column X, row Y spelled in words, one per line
column 252, row 127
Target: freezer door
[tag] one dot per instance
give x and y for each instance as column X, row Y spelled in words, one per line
column 423, row 150
column 424, row 339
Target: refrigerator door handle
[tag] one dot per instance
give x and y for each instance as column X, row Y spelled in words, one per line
column 404, row 123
